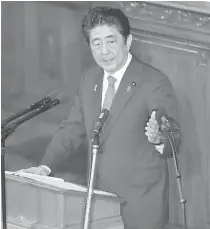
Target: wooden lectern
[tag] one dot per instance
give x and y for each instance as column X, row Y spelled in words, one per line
column 34, row 204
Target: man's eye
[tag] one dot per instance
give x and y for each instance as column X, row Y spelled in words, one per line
column 111, row 41
column 96, row 44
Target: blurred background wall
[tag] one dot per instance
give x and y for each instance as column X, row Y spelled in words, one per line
column 42, row 50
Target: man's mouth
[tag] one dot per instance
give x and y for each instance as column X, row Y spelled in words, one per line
column 108, row 61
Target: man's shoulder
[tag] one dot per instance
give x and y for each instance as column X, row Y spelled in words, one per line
column 90, row 75
column 92, row 71
column 147, row 71
column 146, row 68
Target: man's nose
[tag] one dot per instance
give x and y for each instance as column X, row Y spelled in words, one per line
column 105, row 49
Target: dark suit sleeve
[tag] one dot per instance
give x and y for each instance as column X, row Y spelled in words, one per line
column 163, row 99
column 69, row 138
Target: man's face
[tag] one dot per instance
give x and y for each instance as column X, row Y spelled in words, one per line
column 109, row 48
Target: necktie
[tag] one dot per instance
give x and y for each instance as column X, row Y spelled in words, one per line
column 110, row 93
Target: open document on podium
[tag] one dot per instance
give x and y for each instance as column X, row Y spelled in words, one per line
column 58, row 182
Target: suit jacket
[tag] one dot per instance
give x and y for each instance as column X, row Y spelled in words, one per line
column 128, row 164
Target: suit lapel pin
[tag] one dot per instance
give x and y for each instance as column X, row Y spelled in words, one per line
column 95, row 87
column 128, row 89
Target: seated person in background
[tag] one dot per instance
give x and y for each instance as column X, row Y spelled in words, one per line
column 133, row 162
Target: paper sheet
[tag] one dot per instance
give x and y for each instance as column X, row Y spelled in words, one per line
column 57, row 182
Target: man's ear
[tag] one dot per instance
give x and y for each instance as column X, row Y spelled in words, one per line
column 129, row 41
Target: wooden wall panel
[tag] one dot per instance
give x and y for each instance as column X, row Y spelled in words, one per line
column 190, row 83
column 12, row 48
column 42, row 50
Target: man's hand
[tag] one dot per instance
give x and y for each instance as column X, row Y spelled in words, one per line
column 152, row 130
column 41, row 170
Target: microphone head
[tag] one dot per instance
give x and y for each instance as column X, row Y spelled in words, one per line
column 100, row 123
column 104, row 114
column 62, row 97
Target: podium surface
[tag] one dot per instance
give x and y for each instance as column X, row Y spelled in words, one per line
column 48, row 205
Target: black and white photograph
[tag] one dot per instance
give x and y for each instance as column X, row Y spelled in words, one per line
column 105, row 115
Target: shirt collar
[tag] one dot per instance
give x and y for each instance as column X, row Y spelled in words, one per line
column 119, row 74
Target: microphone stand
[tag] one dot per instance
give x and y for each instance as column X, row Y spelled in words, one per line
column 5, row 133
column 94, row 147
column 95, row 150
column 167, row 131
column 3, row 190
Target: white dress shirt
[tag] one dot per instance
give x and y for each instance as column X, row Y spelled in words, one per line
column 118, row 75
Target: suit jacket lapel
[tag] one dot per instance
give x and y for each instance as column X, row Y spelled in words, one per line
column 95, row 106
column 127, row 87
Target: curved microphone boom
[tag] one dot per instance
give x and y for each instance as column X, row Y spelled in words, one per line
column 30, row 108
column 168, row 132
column 60, row 98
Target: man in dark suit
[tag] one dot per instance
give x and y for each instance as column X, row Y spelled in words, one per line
column 133, row 162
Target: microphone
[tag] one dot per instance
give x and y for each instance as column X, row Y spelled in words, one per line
column 33, row 106
column 100, row 122
column 59, row 99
